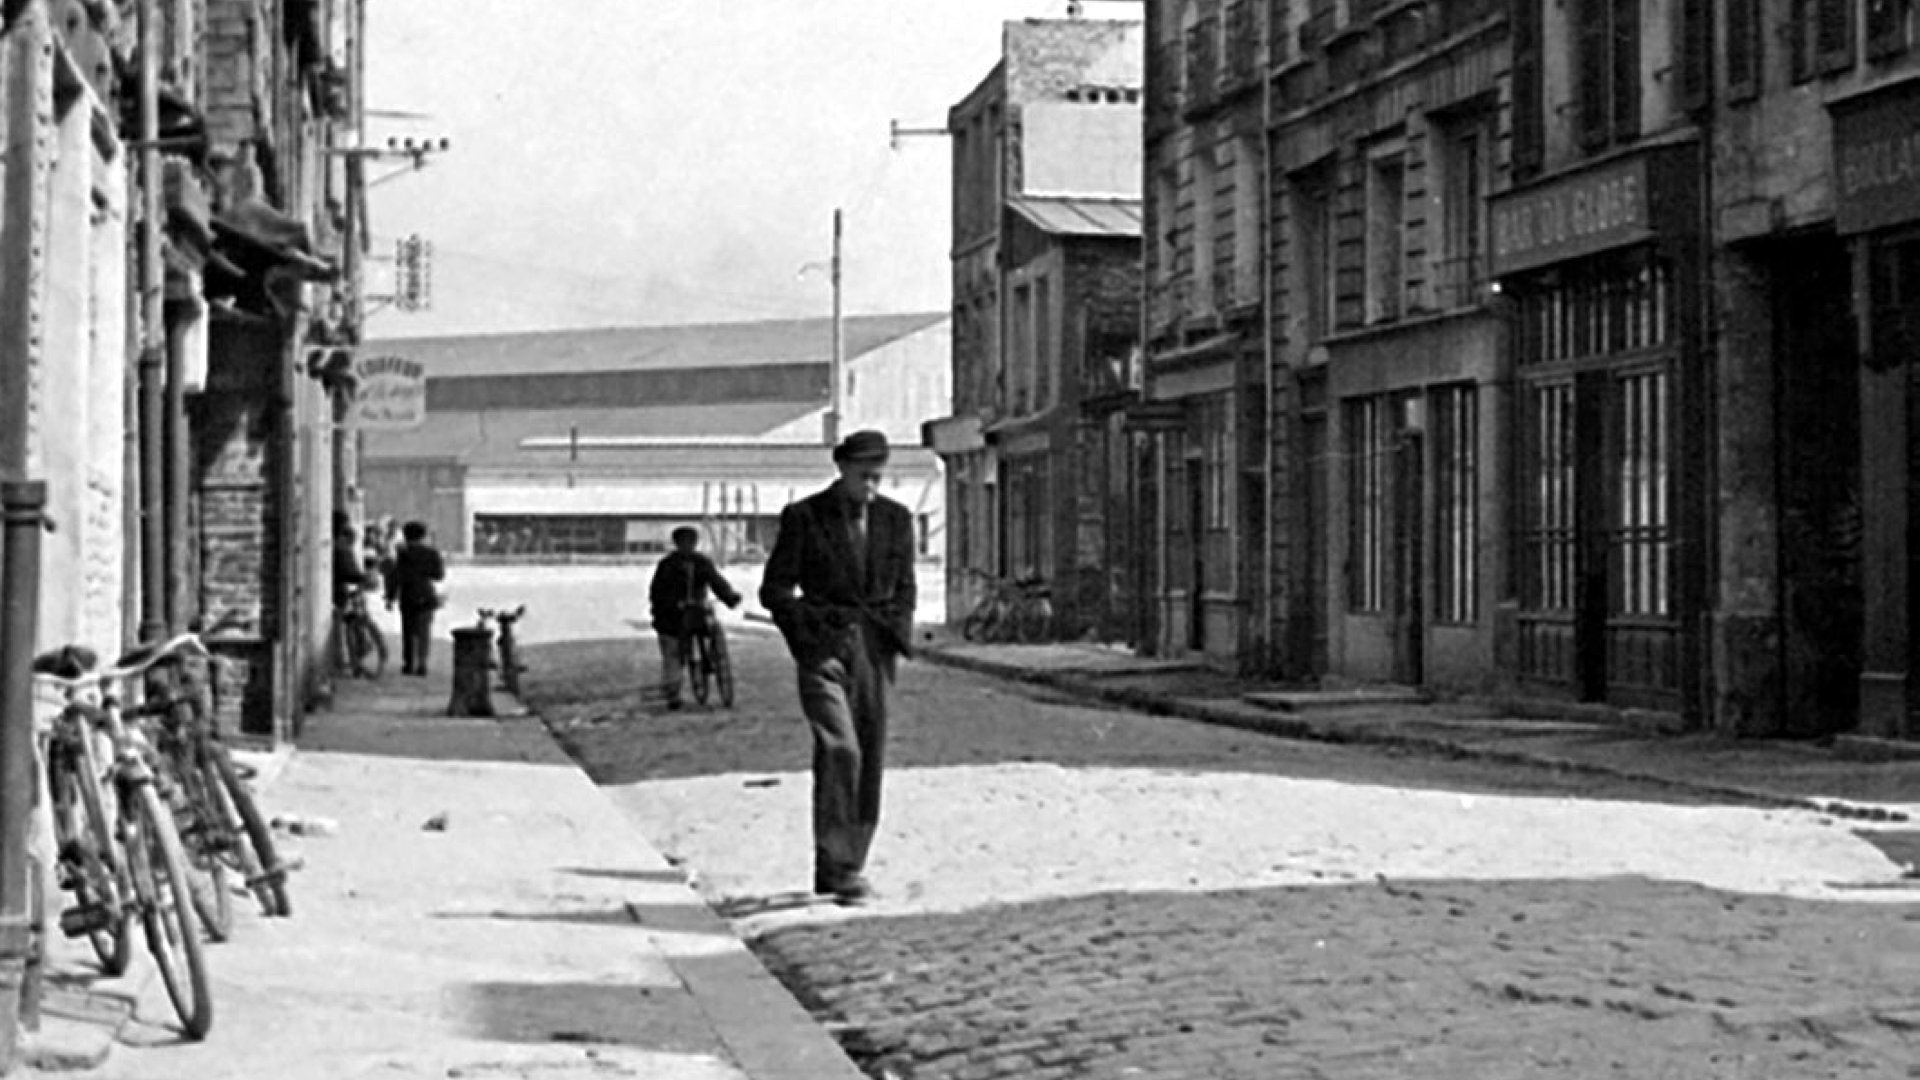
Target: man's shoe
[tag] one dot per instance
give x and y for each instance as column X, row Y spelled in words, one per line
column 853, row 891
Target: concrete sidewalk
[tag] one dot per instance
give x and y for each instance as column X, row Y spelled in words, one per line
column 481, row 910
column 1853, row 778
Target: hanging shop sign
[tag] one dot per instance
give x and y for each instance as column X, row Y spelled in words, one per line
column 1572, row 216
column 392, row 394
column 1876, row 159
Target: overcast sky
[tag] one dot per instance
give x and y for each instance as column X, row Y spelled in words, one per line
column 621, row 162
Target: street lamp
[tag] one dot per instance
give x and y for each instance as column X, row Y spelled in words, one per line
column 831, row 432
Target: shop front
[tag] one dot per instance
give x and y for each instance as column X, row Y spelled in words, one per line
column 1607, row 500
column 1876, row 173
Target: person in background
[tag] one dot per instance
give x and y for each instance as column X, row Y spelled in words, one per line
column 840, row 586
column 415, row 585
column 682, row 585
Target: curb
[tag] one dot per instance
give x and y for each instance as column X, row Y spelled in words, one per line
column 1293, row 726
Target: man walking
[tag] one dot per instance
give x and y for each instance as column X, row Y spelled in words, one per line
column 681, row 586
column 418, row 571
column 840, row 585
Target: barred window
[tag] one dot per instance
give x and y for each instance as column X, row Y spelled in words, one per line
column 1456, row 434
column 1548, row 525
column 1641, row 544
column 1368, row 429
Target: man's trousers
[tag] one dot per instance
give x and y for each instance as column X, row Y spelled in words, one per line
column 845, row 700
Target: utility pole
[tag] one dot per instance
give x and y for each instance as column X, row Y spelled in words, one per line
column 837, row 373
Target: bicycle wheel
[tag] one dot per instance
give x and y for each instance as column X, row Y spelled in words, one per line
column 206, row 841
column 265, row 877
column 160, row 880
column 722, row 667
column 83, row 836
column 699, row 666
column 367, row 647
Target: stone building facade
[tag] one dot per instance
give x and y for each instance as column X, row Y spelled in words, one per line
column 1046, row 185
column 1205, row 395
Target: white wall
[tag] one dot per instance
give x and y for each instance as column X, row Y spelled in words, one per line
column 1071, row 148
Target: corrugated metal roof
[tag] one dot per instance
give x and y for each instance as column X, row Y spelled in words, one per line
column 1081, row 217
column 651, row 348
column 476, row 436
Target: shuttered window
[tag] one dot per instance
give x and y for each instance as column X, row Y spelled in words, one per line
column 1529, row 133
column 1888, row 23
column 1696, row 48
column 1744, row 57
column 1821, row 36
column 1607, row 70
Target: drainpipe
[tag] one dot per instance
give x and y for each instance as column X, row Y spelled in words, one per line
column 153, row 344
column 24, row 506
column 1269, row 612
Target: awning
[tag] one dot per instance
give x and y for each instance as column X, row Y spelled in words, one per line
column 1071, row 216
column 265, row 259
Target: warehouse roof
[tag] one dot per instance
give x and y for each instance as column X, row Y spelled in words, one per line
column 651, row 348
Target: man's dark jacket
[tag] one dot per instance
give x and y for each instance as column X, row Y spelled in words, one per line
column 815, row 554
column 416, row 570
column 680, row 577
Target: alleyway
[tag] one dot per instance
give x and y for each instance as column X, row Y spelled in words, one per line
column 1075, row 892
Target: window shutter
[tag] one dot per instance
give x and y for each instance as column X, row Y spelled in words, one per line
column 1800, row 38
column 1624, row 64
column 1590, row 72
column 1529, row 136
column 1743, row 49
column 1834, row 36
column 1696, row 52
column 1887, row 28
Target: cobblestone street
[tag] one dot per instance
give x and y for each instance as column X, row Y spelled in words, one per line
column 1071, row 892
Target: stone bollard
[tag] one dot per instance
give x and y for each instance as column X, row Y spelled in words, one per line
column 472, row 672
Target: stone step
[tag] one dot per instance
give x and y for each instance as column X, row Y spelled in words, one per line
column 1296, row 701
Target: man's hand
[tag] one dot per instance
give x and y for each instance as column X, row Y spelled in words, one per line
column 734, row 603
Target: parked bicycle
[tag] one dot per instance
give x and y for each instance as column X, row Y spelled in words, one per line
column 116, row 845
column 363, row 648
column 1013, row 610
column 704, row 644
column 510, row 668
column 221, row 824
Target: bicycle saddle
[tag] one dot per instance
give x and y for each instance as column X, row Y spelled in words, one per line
column 66, row 662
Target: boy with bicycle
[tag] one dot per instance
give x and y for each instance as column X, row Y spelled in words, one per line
column 681, row 588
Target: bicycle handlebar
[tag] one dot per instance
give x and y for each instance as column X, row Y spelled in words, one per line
column 189, row 644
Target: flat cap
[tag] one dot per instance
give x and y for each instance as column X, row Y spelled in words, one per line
column 869, row 446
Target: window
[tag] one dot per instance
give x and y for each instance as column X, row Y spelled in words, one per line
column 1640, row 545
column 1464, row 162
column 1606, row 305
column 1367, row 433
column 1607, row 71
column 1204, row 193
column 1020, row 349
column 1887, row 27
column 1456, row 438
column 1314, row 249
column 1246, row 221
column 1529, row 108
column 1549, row 522
column 1386, row 213
column 1045, row 355
column 1745, row 57
column 1821, row 33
